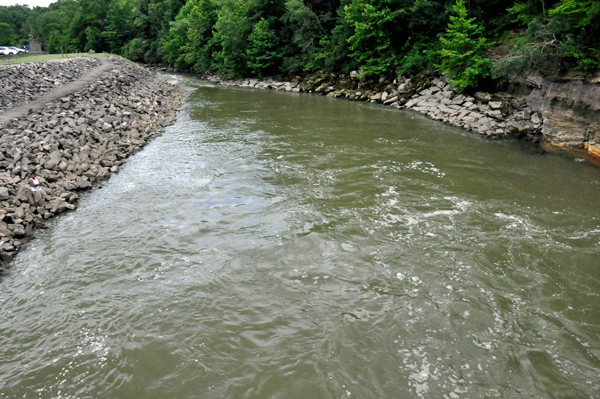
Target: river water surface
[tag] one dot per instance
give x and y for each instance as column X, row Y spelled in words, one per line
column 283, row 245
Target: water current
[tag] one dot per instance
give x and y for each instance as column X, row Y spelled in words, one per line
column 284, row 245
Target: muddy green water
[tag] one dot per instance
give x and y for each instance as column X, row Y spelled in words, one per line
column 277, row 245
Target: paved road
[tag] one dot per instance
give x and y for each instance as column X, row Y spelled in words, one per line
column 86, row 79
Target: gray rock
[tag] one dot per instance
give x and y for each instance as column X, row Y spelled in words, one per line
column 391, row 100
column 375, row 97
column 495, row 114
column 19, row 213
column 483, row 97
column 19, row 231
column 58, row 206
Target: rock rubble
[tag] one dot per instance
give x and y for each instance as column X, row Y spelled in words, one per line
column 26, row 82
column 75, row 142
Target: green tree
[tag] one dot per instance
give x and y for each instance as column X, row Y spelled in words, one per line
column 581, row 13
column 7, row 33
column 134, row 50
column 231, row 35
column 202, row 44
column 176, row 39
column 305, row 26
column 374, row 29
column 580, row 33
column 464, row 48
column 16, row 17
column 263, row 54
column 119, row 29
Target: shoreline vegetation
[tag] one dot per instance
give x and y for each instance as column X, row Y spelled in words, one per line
column 479, row 45
column 74, row 142
column 28, row 58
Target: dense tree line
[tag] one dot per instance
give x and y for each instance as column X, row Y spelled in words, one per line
column 135, row 28
column 468, row 40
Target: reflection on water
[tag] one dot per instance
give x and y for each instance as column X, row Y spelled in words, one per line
column 277, row 245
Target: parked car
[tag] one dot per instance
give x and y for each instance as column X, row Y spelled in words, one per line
column 18, row 50
column 7, row 51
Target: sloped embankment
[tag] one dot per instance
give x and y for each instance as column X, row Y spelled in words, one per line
column 22, row 83
column 77, row 141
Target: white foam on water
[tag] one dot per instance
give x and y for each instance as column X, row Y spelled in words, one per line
column 444, row 212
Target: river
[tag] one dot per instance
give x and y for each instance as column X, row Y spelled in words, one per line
column 285, row 245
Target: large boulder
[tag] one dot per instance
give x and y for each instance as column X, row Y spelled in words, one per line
column 59, row 205
column 55, row 158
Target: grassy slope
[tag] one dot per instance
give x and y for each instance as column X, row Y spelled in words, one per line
column 44, row 57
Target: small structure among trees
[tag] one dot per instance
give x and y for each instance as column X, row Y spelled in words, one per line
column 34, row 44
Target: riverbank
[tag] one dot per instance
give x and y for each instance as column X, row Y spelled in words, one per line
column 560, row 115
column 26, row 82
column 76, row 141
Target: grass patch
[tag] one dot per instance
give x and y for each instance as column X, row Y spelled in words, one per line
column 48, row 57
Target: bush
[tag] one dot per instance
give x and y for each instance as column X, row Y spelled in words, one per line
column 134, row 50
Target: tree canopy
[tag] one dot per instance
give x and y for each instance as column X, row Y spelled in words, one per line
column 286, row 37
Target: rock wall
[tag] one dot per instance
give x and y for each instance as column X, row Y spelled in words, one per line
column 75, row 142
column 25, row 82
column 571, row 115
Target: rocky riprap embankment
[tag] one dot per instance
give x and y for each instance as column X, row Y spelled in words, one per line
column 26, row 82
column 559, row 116
column 75, row 142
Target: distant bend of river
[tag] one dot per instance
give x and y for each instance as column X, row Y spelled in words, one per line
column 284, row 245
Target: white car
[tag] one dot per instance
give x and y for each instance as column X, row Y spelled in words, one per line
column 18, row 50
column 7, row 51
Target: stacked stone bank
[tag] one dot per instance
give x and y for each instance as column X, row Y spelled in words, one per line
column 75, row 142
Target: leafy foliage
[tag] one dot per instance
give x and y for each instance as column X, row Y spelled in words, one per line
column 262, row 53
column 7, row 32
column 463, row 53
column 371, row 44
column 376, row 37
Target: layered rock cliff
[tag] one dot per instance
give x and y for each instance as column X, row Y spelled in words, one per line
column 570, row 112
